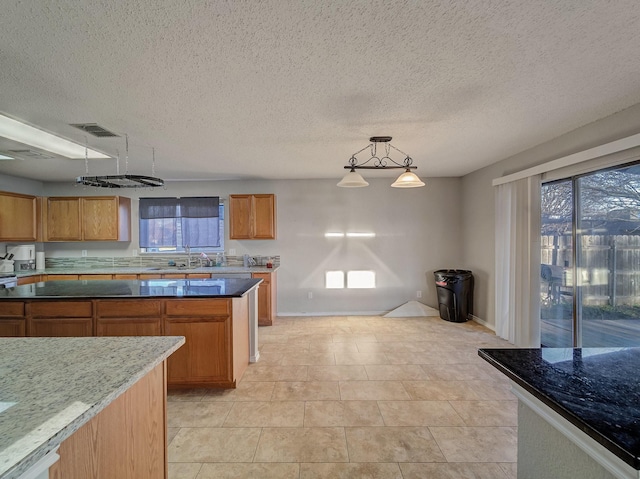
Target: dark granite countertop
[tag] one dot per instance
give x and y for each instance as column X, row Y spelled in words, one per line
column 596, row 389
column 115, row 288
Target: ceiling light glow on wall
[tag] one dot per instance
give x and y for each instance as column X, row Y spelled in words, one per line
column 333, row 235
column 28, row 135
column 353, row 179
column 361, row 279
column 334, row 279
column 361, row 235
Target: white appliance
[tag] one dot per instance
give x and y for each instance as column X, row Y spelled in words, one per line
column 24, row 256
column 8, row 280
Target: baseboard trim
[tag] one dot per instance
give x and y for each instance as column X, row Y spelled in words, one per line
column 483, row 322
column 335, row 313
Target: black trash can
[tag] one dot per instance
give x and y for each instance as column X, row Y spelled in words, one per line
column 455, row 294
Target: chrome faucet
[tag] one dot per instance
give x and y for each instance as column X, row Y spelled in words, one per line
column 187, row 248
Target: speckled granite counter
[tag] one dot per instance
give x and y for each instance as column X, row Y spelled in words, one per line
column 114, row 288
column 595, row 389
column 50, row 387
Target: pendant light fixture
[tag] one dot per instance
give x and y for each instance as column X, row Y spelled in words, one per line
column 122, row 181
column 353, row 179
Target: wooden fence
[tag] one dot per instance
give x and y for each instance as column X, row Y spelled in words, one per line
column 609, row 270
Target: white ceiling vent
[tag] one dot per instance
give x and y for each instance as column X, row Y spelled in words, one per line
column 94, row 129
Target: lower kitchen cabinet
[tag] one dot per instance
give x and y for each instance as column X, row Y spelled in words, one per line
column 60, row 319
column 127, row 318
column 59, row 277
column 195, row 363
column 267, row 295
column 216, row 330
column 127, row 439
column 206, row 326
column 12, row 328
column 95, row 276
column 61, row 327
column 36, row 278
column 12, row 321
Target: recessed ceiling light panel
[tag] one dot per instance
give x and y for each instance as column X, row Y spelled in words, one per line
column 28, row 135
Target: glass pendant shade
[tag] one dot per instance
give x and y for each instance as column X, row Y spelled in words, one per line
column 353, row 180
column 408, row 180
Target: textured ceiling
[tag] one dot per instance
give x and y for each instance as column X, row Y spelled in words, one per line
column 289, row 89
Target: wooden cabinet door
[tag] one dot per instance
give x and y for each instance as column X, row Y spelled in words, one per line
column 125, row 440
column 18, row 219
column 95, row 277
column 252, row 217
column 264, row 217
column 265, row 299
column 63, row 219
column 59, row 277
column 12, row 328
column 128, row 327
column 36, row 278
column 150, row 276
column 240, row 216
column 206, row 354
column 100, row 218
column 61, row 327
column 61, row 319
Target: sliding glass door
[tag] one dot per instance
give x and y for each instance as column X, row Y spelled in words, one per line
column 556, row 291
column 590, row 297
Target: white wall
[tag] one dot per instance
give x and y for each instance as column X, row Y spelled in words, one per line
column 417, row 231
column 478, row 201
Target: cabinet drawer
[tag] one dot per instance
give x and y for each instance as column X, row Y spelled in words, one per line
column 95, row 276
column 61, row 309
column 60, row 277
column 11, row 309
column 128, row 309
column 198, row 307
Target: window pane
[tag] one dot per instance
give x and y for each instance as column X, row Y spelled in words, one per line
column 556, row 291
column 608, row 273
column 361, row 279
column 200, row 232
column 158, row 232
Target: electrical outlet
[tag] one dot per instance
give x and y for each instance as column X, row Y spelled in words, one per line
column 418, row 294
column 232, row 251
column 134, row 252
column 309, row 295
column 84, row 253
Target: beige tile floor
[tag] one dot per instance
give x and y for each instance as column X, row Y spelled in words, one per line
column 353, row 397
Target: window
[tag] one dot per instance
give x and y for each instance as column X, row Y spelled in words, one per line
column 590, row 255
column 168, row 225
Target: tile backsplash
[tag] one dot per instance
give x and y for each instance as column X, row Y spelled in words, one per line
column 145, row 261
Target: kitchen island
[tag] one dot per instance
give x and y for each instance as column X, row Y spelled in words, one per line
column 74, row 405
column 578, row 410
column 216, row 316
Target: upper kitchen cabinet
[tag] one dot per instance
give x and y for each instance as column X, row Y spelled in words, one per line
column 252, row 217
column 19, row 217
column 88, row 218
